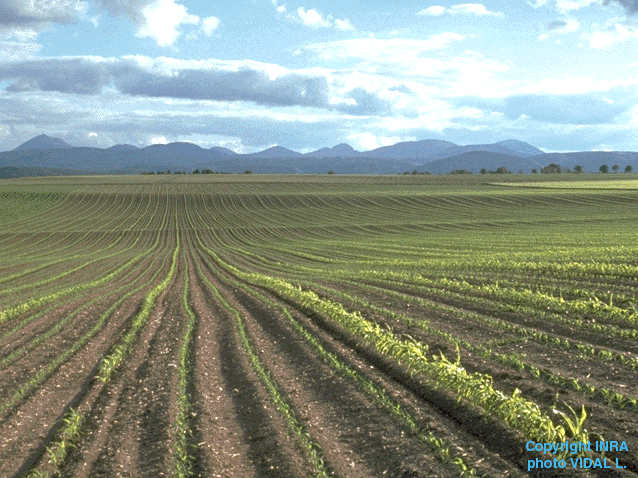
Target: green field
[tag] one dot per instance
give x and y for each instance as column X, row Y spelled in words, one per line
column 356, row 326
column 600, row 183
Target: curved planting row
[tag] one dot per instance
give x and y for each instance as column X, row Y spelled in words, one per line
column 354, row 327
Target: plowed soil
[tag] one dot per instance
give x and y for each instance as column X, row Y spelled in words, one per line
column 234, row 427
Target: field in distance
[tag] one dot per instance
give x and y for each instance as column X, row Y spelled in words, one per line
column 289, row 326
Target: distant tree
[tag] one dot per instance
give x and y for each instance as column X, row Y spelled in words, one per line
column 483, row 171
column 196, row 171
column 503, row 170
column 578, row 169
column 331, row 172
column 248, row 171
column 208, row 171
column 534, row 171
column 520, row 171
column 615, row 168
column 460, row 171
column 415, row 172
column 604, row 169
column 168, row 171
column 551, row 168
column 629, row 168
column 160, row 172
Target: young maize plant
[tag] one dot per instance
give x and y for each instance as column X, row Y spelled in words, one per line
column 311, row 447
column 378, row 395
column 112, row 361
column 182, row 431
column 517, row 412
column 58, row 451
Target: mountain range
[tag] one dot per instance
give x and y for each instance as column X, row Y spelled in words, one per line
column 430, row 155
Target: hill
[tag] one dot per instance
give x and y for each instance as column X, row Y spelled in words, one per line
column 23, row 172
column 592, row 160
column 43, row 142
column 520, row 147
column 474, row 161
column 434, row 156
column 341, row 150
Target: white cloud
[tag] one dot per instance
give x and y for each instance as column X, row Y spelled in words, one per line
column 344, row 25
column 383, row 50
column 561, row 27
column 162, row 20
column 572, row 85
column 473, row 9
column 565, row 6
column 477, row 9
column 209, row 25
column 433, row 11
column 572, row 26
column 313, row 18
column 35, row 13
column 602, row 39
column 16, row 50
column 18, row 43
column 368, row 141
column 158, row 140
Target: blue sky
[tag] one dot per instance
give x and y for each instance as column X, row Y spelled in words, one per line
column 305, row 74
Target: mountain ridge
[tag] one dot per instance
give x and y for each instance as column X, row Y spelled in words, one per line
column 43, row 142
column 430, row 155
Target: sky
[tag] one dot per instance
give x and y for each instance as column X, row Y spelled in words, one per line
column 247, row 75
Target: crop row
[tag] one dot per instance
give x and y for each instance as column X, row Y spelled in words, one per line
column 517, row 412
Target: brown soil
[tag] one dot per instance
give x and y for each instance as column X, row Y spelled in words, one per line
column 236, row 430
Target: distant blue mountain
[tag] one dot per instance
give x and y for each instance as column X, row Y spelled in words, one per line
column 43, row 142
column 276, row 152
column 524, row 149
column 435, row 156
column 123, row 147
column 341, row 150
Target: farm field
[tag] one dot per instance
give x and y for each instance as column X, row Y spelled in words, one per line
column 296, row 326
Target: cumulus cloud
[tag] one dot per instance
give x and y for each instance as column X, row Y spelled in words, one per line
column 564, row 6
column 313, row 18
column 630, row 6
column 209, row 25
column 36, row 13
column 563, row 26
column 129, row 9
column 216, row 80
column 65, row 75
column 477, row 9
column 433, row 11
column 162, row 20
column 363, row 102
column 18, row 43
column 602, row 39
column 242, row 85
